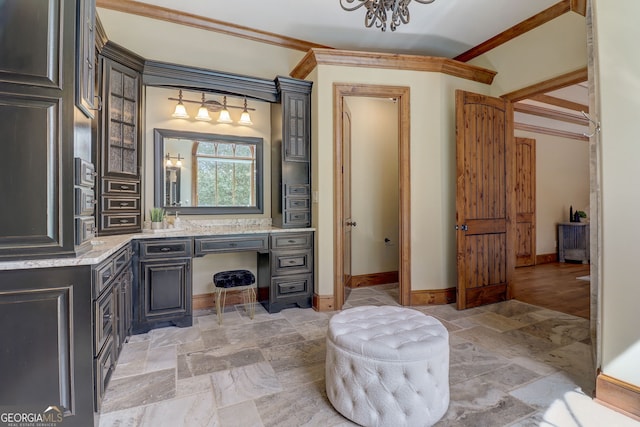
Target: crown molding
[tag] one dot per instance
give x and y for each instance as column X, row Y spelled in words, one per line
column 349, row 58
column 204, row 23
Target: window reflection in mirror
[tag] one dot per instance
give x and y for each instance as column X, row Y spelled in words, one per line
column 198, row 173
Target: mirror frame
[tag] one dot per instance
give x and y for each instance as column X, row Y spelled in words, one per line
column 159, row 136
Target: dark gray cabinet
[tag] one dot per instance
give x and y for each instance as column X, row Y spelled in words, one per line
column 162, row 286
column 39, row 128
column 291, row 154
column 286, row 278
column 85, row 61
column 112, row 281
column 47, row 341
column 119, row 207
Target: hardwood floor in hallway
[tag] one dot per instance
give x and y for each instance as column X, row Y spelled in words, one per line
column 554, row 286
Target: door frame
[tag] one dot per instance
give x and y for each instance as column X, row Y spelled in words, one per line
column 401, row 94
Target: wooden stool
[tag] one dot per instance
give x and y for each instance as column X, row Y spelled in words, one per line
column 244, row 281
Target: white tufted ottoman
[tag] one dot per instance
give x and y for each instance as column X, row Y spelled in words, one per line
column 388, row 366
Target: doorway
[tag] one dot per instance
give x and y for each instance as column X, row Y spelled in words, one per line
column 401, row 95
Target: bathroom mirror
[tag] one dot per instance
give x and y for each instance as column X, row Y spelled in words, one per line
column 204, row 173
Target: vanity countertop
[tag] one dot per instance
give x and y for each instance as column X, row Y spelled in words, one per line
column 104, row 246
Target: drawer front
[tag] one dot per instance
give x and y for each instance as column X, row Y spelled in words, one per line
column 296, row 190
column 121, row 203
column 297, row 218
column 84, row 173
column 256, row 242
column 103, row 320
column 116, row 221
column 103, row 275
column 85, row 201
column 121, row 260
column 85, row 229
column 291, row 240
column 165, row 248
column 296, row 203
column 121, row 186
column 291, row 262
column 291, row 286
column 103, row 367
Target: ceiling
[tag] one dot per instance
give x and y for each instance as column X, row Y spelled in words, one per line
column 445, row 28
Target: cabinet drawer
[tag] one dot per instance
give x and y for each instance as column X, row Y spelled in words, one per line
column 103, row 276
column 120, row 186
column 85, row 229
column 116, row 221
column 103, row 320
column 85, row 201
column 296, row 203
column 291, row 286
column 297, row 218
column 291, row 240
column 84, row 173
column 296, row 190
column 173, row 248
column 121, row 260
column 235, row 243
column 291, row 262
column 121, row 203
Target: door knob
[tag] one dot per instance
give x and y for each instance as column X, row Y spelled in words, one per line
column 351, row 223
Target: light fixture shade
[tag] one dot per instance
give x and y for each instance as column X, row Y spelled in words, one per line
column 245, row 118
column 168, row 162
column 180, row 112
column 203, row 114
column 224, row 117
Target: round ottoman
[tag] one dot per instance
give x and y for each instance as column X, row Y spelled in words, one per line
column 388, row 366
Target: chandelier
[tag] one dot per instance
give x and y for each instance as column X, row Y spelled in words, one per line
column 377, row 11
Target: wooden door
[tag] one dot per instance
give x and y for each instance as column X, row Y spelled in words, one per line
column 346, row 194
column 525, row 245
column 485, row 208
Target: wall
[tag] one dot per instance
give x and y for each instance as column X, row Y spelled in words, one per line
column 552, row 49
column 618, row 65
column 562, row 180
column 158, row 115
column 374, row 179
column 432, row 168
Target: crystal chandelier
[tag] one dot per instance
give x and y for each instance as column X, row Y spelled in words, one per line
column 377, row 11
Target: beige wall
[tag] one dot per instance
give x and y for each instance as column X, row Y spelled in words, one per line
column 184, row 45
column 562, row 180
column 432, row 151
column 616, row 34
column 374, row 177
column 158, row 115
column 552, row 49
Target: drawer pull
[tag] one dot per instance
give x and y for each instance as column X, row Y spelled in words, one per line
column 106, row 276
column 107, row 317
column 292, row 288
column 124, row 204
column 233, row 245
column 291, row 261
column 124, row 221
column 291, row 241
column 165, row 249
column 124, row 187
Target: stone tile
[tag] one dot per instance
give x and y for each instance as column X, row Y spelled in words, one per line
column 194, row 385
column 478, row 403
column 510, row 308
column 295, row 355
column 242, row 414
column 173, row 335
column 190, row 347
column 134, row 367
column 131, row 417
column 139, row 390
column 467, row 360
column 197, row 410
column 560, row 330
column 542, row 393
column 513, row 343
column 313, row 330
column 508, row 377
column 299, row 315
column 297, row 376
column 490, row 320
column 449, row 312
column 133, row 351
column 249, row 382
column 306, row 405
column 576, row 361
column 160, row 358
column 200, row 363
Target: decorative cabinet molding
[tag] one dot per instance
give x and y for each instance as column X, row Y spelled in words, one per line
column 291, row 154
column 118, row 152
column 85, row 61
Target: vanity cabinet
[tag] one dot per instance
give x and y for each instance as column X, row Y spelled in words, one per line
column 288, row 272
column 112, row 281
column 47, row 341
column 291, row 154
column 162, row 284
column 119, row 207
column 573, row 242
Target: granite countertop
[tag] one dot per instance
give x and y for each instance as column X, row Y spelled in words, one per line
column 104, row 246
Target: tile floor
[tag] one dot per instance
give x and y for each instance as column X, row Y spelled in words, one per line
column 511, row 364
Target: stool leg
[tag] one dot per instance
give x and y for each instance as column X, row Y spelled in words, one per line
column 252, row 301
column 220, row 304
